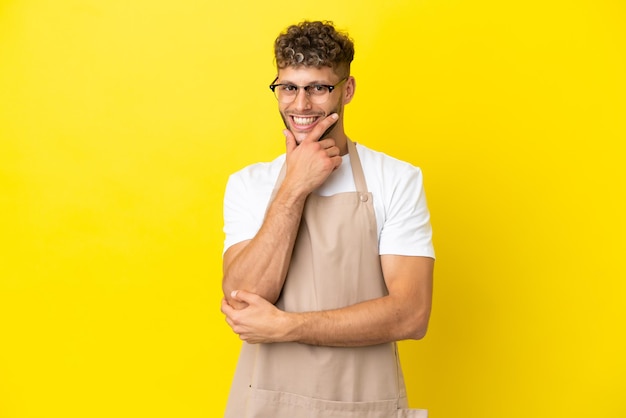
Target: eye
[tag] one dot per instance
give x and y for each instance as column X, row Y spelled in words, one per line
column 289, row 88
column 318, row 89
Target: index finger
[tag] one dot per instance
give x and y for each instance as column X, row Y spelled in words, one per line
column 321, row 127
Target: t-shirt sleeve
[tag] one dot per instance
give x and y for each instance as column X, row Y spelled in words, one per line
column 406, row 229
column 243, row 210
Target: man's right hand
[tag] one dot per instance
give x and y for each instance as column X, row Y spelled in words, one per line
column 310, row 163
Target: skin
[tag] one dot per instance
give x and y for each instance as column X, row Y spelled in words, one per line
column 255, row 270
column 301, row 106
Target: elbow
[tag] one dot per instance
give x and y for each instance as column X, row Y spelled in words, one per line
column 227, row 290
column 415, row 327
column 419, row 333
column 227, row 287
column 231, row 283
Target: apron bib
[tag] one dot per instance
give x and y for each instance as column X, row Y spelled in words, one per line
column 335, row 263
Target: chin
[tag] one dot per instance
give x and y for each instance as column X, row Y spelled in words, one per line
column 299, row 138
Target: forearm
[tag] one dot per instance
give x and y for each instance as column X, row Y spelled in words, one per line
column 261, row 265
column 372, row 322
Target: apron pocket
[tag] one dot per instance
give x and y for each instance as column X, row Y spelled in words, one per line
column 412, row 413
column 268, row 403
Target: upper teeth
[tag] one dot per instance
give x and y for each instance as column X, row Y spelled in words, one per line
column 303, row 121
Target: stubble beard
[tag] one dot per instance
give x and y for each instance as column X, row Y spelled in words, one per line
column 326, row 132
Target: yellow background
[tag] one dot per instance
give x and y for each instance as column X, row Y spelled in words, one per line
column 121, row 120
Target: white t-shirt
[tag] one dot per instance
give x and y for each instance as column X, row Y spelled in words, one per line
column 400, row 206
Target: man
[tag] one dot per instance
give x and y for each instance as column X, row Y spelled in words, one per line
column 328, row 256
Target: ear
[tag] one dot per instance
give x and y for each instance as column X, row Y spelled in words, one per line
column 349, row 90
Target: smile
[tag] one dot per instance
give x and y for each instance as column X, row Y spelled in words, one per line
column 303, row 121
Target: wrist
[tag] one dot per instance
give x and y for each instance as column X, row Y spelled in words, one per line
column 292, row 327
column 293, row 192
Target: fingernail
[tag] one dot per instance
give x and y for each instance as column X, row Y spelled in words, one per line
column 234, row 293
column 334, row 116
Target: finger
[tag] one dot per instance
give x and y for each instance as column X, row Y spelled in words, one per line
column 228, row 312
column 321, row 127
column 329, row 146
column 230, row 322
column 243, row 296
column 326, row 142
column 290, row 140
column 225, row 307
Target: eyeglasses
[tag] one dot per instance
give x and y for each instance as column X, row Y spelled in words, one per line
column 317, row 93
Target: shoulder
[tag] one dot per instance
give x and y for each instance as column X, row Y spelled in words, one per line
column 247, row 194
column 257, row 176
column 398, row 192
column 261, row 170
column 388, row 169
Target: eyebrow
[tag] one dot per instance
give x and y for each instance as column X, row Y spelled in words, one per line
column 312, row 83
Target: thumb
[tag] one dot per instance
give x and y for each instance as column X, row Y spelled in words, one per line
column 243, row 296
column 290, row 140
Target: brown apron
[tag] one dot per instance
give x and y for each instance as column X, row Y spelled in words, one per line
column 335, row 263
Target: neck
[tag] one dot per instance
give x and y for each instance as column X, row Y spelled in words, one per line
column 340, row 137
column 342, row 144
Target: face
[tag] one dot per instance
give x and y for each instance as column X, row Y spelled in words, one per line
column 301, row 116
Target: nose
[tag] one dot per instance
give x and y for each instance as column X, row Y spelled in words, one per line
column 302, row 100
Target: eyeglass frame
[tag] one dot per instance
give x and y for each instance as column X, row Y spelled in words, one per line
column 306, row 88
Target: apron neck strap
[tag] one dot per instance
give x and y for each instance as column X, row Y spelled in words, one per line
column 357, row 169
